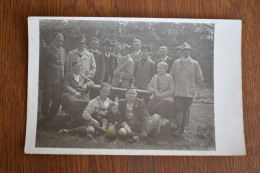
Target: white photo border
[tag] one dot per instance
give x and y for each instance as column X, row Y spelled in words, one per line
column 228, row 108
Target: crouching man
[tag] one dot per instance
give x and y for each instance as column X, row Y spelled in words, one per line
column 135, row 118
column 96, row 111
column 95, row 115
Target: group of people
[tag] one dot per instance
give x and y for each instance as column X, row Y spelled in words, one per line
column 69, row 81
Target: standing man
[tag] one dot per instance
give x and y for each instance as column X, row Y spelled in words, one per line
column 123, row 73
column 110, row 62
column 163, row 51
column 144, row 71
column 187, row 77
column 100, row 67
column 85, row 57
column 53, row 57
column 116, row 53
column 100, row 64
column 137, row 54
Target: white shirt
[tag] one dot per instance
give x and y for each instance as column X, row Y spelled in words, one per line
column 107, row 54
column 137, row 52
column 76, row 77
column 164, row 59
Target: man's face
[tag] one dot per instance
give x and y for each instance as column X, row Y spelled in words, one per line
column 58, row 41
column 123, row 51
column 114, row 110
column 105, row 91
column 108, row 48
column 77, row 68
column 161, row 69
column 131, row 94
column 145, row 53
column 137, row 45
column 81, row 45
column 163, row 52
column 117, row 47
column 94, row 44
column 186, row 53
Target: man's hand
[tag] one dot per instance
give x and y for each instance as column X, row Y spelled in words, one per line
column 158, row 95
column 90, row 84
column 95, row 122
column 77, row 94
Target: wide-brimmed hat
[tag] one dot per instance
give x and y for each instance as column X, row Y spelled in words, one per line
column 185, row 46
column 80, row 39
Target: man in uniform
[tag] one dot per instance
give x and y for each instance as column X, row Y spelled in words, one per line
column 84, row 56
column 144, row 71
column 53, row 57
column 165, row 58
column 187, row 77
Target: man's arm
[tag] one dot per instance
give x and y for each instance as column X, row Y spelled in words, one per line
column 170, row 90
column 102, row 66
column 153, row 68
column 198, row 75
column 145, row 116
column 172, row 72
column 89, row 111
column 150, row 86
column 92, row 69
column 66, row 86
column 129, row 70
column 68, row 63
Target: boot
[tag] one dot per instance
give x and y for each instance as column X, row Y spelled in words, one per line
column 179, row 118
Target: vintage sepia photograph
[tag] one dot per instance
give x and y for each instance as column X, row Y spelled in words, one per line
column 124, row 85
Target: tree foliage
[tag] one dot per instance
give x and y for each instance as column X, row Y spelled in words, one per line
column 199, row 35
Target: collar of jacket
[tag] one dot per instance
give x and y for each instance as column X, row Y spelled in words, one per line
column 81, row 53
column 71, row 75
column 107, row 54
column 164, row 59
column 137, row 52
column 53, row 49
column 187, row 60
column 135, row 102
column 125, row 58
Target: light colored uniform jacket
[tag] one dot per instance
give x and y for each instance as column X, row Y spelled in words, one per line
column 187, row 76
column 87, row 61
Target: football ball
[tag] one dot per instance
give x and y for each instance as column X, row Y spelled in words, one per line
column 111, row 132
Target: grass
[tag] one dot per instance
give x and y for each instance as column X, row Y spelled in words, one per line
column 200, row 136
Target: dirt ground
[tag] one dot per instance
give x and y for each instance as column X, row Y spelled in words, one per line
column 200, row 135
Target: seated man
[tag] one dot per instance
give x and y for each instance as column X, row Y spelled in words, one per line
column 162, row 88
column 96, row 111
column 75, row 91
column 135, row 118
